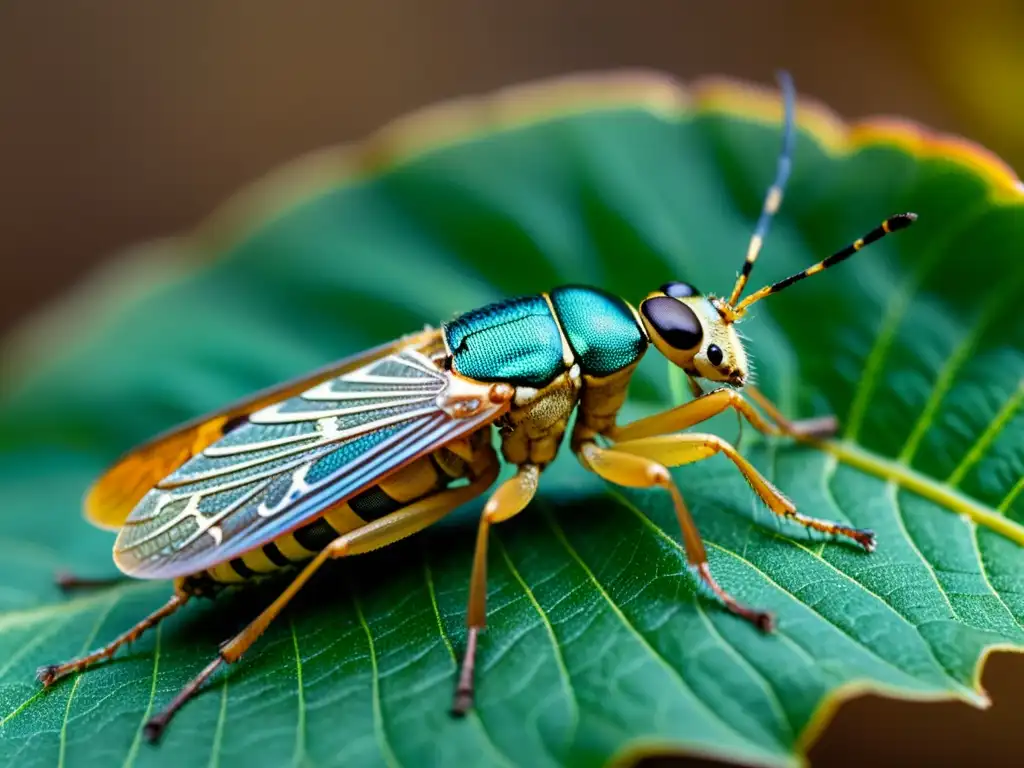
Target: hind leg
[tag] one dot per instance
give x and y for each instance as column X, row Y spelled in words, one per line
column 381, row 532
column 51, row 673
column 506, row 502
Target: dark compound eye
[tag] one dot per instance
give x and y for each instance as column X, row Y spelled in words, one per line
column 715, row 354
column 676, row 323
column 679, row 290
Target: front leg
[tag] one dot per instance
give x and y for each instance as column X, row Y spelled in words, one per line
column 820, row 427
column 676, row 450
column 644, row 463
column 634, row 471
column 711, row 404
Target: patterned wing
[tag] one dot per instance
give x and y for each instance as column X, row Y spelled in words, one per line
column 112, row 498
column 290, row 462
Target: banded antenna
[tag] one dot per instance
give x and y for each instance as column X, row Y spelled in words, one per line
column 892, row 224
column 773, row 199
column 731, row 310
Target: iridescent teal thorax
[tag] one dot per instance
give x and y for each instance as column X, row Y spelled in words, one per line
column 519, row 341
column 516, row 341
column 602, row 329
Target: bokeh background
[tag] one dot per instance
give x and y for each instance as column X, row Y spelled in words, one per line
column 122, row 120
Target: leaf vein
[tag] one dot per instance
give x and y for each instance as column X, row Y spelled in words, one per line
column 947, row 376
column 957, row 686
column 893, row 492
column 218, row 731
column 378, row 721
column 628, row 505
column 977, row 451
column 927, row 487
column 874, row 364
column 563, row 670
column 880, row 599
column 300, row 726
column 773, row 697
column 62, row 751
column 984, row 572
column 1004, row 505
column 133, row 751
column 472, row 714
column 39, row 638
column 894, row 315
column 628, row 625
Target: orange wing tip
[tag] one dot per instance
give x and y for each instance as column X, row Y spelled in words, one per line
column 108, row 502
column 99, row 511
column 111, row 499
column 113, row 496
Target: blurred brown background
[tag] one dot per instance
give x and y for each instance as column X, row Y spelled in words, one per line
column 122, row 120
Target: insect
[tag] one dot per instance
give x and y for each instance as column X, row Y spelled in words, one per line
column 383, row 444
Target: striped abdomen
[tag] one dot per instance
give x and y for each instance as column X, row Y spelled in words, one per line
column 421, row 478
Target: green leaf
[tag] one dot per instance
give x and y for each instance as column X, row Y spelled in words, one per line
column 599, row 645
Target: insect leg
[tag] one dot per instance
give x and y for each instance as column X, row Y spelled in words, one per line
column 823, row 426
column 634, row 471
column 68, row 582
column 379, row 533
column 698, row 391
column 676, row 450
column 51, row 673
column 508, row 500
column 713, row 403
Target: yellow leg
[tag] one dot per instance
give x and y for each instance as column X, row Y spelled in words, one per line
column 820, row 427
column 676, row 450
column 713, row 403
column 506, row 502
column 698, row 391
column 387, row 530
column 69, row 582
column 635, row 471
column 642, row 463
column 51, row 673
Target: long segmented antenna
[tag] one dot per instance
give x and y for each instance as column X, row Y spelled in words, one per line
column 773, row 199
column 892, row 224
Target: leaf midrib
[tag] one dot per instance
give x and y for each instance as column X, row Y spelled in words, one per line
column 928, row 487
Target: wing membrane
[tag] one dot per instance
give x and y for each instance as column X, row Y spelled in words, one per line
column 289, row 462
column 112, row 498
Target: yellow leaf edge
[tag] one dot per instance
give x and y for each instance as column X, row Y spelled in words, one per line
column 452, row 122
